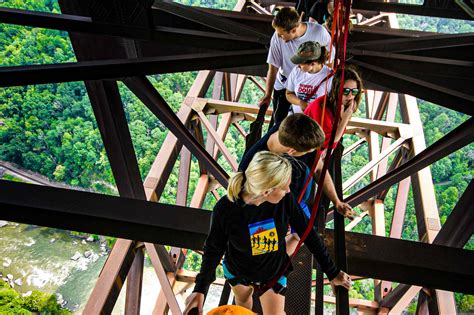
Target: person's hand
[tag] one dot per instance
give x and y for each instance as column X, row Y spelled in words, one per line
column 347, row 109
column 195, row 300
column 346, row 210
column 266, row 99
column 323, row 154
column 342, row 279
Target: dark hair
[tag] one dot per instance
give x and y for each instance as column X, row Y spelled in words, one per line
column 322, row 58
column 350, row 73
column 287, row 19
column 301, row 133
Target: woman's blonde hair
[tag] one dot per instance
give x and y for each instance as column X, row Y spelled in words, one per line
column 267, row 170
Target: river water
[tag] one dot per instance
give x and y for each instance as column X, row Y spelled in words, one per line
column 41, row 258
column 28, row 253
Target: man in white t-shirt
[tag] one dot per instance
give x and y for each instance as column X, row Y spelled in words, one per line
column 310, row 79
column 289, row 34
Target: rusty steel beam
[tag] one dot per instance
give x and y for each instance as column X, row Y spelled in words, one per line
column 354, row 146
column 222, row 130
column 221, row 107
column 368, row 255
column 183, row 178
column 85, row 25
column 110, row 116
column 119, row 68
column 447, row 9
column 257, row 84
column 398, row 160
column 455, row 232
column 437, row 45
column 207, row 20
column 406, row 261
column 197, row 132
column 459, row 226
column 134, row 283
column 412, row 85
column 104, row 215
column 376, row 212
column 239, row 86
column 111, row 278
column 220, row 144
column 356, row 221
column 108, row 109
column 384, row 128
column 162, row 277
column 227, row 86
column 216, row 94
column 241, row 130
column 340, row 255
column 455, row 81
column 422, row 184
column 391, row 108
column 372, row 164
column 451, row 142
column 145, row 91
column 399, row 208
column 162, row 165
column 112, row 124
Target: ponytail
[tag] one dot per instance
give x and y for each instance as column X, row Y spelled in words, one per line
column 235, row 186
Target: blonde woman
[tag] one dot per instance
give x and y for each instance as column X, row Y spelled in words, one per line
column 248, row 228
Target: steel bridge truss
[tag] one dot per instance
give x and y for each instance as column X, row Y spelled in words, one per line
column 229, row 49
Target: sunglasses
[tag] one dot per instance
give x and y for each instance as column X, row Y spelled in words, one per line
column 347, row 91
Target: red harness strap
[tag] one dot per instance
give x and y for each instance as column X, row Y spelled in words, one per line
column 342, row 42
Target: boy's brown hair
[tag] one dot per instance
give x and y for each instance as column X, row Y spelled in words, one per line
column 287, row 19
column 301, row 133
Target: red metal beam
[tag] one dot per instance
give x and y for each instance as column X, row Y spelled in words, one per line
column 451, row 142
column 145, row 91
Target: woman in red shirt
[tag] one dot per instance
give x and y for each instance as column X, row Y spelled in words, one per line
column 351, row 97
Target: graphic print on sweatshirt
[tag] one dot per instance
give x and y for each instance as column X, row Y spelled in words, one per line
column 263, row 237
column 307, row 92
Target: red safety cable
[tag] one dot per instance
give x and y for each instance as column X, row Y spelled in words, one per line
column 334, row 33
column 262, row 289
column 333, row 133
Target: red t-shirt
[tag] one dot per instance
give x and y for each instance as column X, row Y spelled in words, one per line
column 314, row 110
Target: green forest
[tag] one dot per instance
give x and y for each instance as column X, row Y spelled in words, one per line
column 50, row 129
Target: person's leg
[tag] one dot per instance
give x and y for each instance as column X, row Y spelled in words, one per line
column 280, row 106
column 291, row 243
column 293, row 238
column 243, row 295
column 272, row 303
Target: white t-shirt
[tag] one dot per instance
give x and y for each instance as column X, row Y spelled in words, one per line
column 303, row 85
column 280, row 51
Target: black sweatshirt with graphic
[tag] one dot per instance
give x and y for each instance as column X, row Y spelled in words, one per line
column 253, row 241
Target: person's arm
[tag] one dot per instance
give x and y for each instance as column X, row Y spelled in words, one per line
column 345, row 117
column 293, row 99
column 214, row 249
column 274, row 61
column 299, row 222
column 330, row 191
column 270, row 82
column 316, row 246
